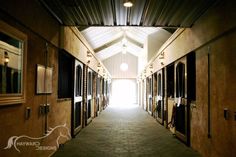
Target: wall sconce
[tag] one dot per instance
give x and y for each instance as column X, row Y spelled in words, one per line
column 127, row 3
column 144, row 73
column 139, row 79
column 6, row 58
column 151, row 68
column 89, row 56
column 105, row 75
column 99, row 67
column 162, row 58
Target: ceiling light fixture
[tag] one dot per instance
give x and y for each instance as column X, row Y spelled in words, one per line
column 128, row 3
column 162, row 58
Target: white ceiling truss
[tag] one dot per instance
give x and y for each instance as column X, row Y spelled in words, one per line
column 108, row 41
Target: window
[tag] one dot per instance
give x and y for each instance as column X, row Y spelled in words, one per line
column 65, row 75
column 79, row 74
column 150, row 86
column 170, row 81
column 180, row 80
column 159, row 85
column 90, row 83
column 98, row 86
column 13, row 45
column 103, row 86
column 155, row 84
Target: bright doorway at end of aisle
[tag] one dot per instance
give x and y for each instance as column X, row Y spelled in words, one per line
column 124, row 93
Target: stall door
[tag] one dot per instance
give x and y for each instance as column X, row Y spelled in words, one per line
column 182, row 115
column 104, row 94
column 147, row 94
column 144, row 94
column 98, row 96
column 150, row 94
column 77, row 107
column 89, row 96
column 160, row 96
column 94, row 95
column 155, row 95
column 108, row 91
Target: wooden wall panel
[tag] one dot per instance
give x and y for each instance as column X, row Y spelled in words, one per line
column 222, row 89
column 13, row 122
column 33, row 16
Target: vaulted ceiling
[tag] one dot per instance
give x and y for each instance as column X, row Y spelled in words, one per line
column 96, row 18
column 108, row 41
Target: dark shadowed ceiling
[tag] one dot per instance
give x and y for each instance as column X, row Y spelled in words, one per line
column 151, row 13
column 161, row 17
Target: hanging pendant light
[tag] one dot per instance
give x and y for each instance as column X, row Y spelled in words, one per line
column 127, row 3
column 124, row 66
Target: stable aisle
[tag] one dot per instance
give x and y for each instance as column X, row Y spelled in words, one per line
column 125, row 132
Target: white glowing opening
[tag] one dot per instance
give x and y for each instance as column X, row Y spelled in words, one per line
column 124, row 66
column 124, row 93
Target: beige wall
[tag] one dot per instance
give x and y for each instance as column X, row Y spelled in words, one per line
column 155, row 41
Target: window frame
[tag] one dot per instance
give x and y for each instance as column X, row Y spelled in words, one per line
column 16, row 98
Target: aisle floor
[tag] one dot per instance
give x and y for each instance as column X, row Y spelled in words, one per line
column 125, row 132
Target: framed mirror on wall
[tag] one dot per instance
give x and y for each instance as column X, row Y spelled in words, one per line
column 13, row 44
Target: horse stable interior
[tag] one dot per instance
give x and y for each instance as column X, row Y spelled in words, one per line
column 68, row 66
